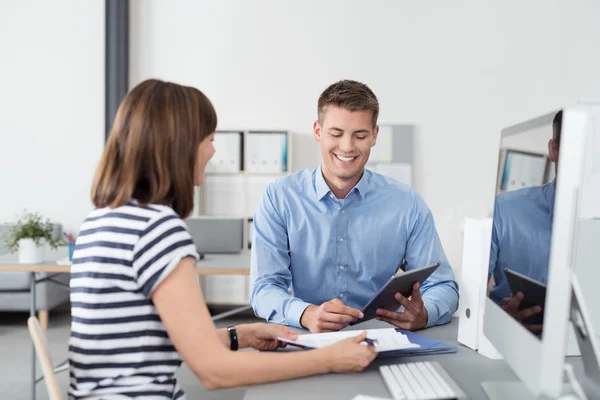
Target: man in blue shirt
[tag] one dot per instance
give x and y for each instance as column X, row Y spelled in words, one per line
column 326, row 239
column 521, row 232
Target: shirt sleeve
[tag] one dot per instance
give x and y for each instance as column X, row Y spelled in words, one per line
column 161, row 246
column 440, row 290
column 270, row 275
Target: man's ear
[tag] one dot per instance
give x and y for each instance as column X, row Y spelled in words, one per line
column 374, row 136
column 317, row 131
column 553, row 150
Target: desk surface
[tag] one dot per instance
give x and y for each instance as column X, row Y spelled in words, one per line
column 466, row 367
column 212, row 264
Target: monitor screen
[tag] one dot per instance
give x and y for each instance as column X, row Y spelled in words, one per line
column 522, row 222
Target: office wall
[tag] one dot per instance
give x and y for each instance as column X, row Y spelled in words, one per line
column 459, row 71
column 52, row 107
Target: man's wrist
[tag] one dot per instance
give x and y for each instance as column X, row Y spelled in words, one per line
column 306, row 316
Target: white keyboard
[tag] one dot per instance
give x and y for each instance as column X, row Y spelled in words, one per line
column 420, row 381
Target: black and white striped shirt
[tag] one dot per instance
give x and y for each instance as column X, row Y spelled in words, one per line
column 119, row 348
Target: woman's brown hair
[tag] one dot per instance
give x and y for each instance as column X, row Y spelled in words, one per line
column 150, row 155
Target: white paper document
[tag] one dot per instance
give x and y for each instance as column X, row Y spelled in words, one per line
column 386, row 339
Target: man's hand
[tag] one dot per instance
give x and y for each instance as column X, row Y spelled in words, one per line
column 261, row 336
column 330, row 316
column 511, row 306
column 414, row 315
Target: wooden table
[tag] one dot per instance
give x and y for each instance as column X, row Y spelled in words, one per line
column 210, row 264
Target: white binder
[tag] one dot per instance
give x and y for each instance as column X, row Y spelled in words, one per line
column 473, row 291
column 266, row 152
column 228, row 152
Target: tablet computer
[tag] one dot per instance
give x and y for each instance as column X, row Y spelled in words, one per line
column 402, row 284
column 534, row 294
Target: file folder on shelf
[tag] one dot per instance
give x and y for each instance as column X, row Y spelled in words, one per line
column 228, row 153
column 267, row 152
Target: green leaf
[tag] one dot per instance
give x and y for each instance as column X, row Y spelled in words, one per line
column 31, row 226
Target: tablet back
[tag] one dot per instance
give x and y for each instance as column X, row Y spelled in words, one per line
column 402, row 284
column 534, row 294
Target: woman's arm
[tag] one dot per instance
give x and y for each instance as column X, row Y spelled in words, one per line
column 181, row 306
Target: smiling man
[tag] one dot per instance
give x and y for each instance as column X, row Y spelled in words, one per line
column 335, row 234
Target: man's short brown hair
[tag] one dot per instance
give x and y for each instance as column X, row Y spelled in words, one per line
column 150, row 155
column 350, row 95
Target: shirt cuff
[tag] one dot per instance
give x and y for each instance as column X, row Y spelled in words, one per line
column 294, row 313
column 433, row 314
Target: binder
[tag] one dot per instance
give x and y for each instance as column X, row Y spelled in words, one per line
column 228, row 153
column 267, row 152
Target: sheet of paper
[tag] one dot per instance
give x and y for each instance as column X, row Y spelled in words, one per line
column 387, row 339
column 401, row 172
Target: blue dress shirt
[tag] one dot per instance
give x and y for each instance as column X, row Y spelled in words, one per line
column 521, row 232
column 322, row 248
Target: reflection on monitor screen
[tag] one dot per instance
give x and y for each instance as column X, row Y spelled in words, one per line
column 522, row 223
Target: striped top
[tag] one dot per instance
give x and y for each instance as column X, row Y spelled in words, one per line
column 118, row 344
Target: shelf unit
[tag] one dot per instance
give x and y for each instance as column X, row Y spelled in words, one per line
column 233, row 184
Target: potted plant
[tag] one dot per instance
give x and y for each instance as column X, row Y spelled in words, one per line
column 29, row 235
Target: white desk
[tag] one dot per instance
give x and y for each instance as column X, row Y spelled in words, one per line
column 465, row 366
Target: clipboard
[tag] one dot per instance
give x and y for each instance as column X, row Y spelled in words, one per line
column 400, row 283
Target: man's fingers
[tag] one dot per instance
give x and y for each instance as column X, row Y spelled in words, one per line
column 403, row 301
column 535, row 328
column 515, row 301
column 337, row 307
column 528, row 312
column 328, row 326
column 337, row 318
column 397, row 316
column 416, row 291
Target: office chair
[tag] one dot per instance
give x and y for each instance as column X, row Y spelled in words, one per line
column 41, row 349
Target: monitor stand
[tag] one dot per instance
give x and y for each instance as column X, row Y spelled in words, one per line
column 590, row 355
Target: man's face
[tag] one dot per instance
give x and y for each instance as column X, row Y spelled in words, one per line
column 346, row 138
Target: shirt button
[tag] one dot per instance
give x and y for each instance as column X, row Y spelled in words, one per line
column 341, row 294
column 341, row 267
column 342, row 211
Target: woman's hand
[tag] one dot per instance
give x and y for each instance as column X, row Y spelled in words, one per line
column 350, row 355
column 261, row 336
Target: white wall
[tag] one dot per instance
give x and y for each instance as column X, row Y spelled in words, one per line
column 52, row 107
column 460, row 71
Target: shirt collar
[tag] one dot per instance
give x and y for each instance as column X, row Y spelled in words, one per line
column 323, row 189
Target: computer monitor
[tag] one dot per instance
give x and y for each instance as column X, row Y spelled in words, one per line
column 533, row 231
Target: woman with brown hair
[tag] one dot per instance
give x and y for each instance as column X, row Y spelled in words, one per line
column 137, row 308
